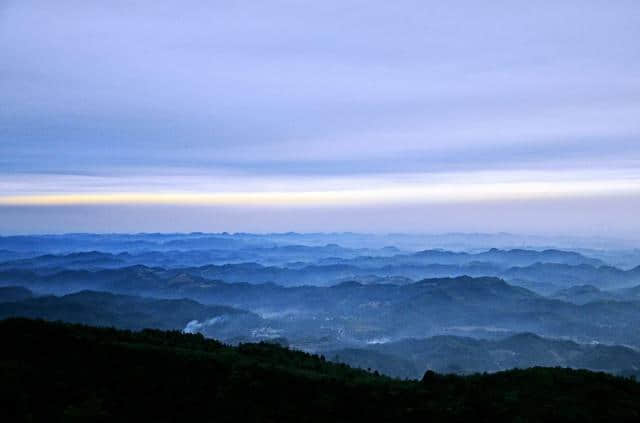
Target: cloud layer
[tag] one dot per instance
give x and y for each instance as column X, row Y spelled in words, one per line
column 384, row 98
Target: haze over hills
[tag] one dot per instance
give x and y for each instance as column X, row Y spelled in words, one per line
column 454, row 354
column 543, row 271
column 113, row 310
column 371, row 305
column 123, row 242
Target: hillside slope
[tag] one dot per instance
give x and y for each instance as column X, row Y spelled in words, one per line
column 59, row 372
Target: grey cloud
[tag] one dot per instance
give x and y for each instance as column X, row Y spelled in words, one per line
column 316, row 89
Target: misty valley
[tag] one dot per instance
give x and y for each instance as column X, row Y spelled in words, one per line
column 397, row 305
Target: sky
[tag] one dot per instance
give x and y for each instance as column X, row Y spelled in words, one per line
column 375, row 116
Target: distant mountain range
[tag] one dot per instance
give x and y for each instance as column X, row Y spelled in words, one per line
column 381, row 301
column 348, row 314
column 404, row 241
column 542, row 271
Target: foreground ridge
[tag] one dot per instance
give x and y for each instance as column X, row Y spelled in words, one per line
column 60, row 372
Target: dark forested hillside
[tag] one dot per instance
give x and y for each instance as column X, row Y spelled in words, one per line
column 60, row 372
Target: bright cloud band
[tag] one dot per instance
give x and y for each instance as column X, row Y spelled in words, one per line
column 431, row 193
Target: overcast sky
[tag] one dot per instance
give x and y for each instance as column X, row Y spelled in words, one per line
column 334, row 115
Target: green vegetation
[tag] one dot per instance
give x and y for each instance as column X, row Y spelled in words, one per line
column 62, row 372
